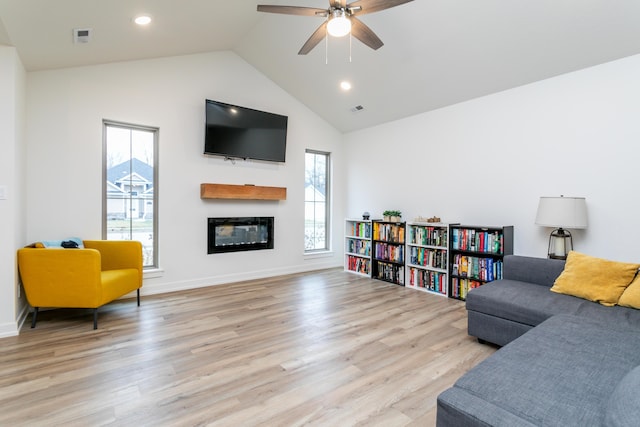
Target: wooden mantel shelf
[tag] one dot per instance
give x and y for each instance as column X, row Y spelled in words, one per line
column 246, row 192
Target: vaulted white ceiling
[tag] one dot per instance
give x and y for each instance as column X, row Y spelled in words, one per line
column 436, row 52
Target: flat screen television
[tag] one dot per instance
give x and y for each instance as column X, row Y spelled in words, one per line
column 243, row 133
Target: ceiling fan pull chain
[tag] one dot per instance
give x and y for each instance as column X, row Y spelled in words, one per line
column 350, row 43
column 326, row 49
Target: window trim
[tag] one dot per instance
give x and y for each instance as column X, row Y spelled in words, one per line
column 155, row 131
column 328, row 202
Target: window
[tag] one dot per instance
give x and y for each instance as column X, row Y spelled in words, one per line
column 129, row 186
column 316, row 201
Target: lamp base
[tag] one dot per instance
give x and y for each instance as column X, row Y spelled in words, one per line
column 560, row 244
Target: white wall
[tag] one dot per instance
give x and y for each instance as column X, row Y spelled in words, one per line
column 487, row 161
column 65, row 112
column 12, row 228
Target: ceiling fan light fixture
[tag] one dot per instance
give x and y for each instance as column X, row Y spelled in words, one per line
column 339, row 24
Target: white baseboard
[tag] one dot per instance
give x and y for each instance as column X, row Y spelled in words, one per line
column 11, row 329
column 154, row 289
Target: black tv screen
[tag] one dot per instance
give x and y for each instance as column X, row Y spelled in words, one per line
column 239, row 132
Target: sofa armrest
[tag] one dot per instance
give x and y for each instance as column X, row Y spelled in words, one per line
column 118, row 254
column 61, row 277
column 541, row 271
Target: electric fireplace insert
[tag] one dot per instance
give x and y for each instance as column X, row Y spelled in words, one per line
column 239, row 234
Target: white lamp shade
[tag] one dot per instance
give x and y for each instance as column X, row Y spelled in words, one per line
column 562, row 212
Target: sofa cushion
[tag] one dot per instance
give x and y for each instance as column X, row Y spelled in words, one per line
column 542, row 271
column 521, row 302
column 559, row 373
column 621, row 318
column 623, row 409
column 631, row 296
column 594, row 279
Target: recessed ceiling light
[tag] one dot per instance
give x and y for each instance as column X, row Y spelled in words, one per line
column 345, row 85
column 142, row 20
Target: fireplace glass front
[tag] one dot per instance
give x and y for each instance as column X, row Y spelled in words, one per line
column 239, row 234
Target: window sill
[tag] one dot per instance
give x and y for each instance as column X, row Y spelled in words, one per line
column 323, row 254
column 152, row 273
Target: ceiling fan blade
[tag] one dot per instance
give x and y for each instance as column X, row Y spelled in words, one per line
column 370, row 6
column 292, row 10
column 363, row 33
column 315, row 38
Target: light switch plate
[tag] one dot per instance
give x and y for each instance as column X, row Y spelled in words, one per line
column 3, row 192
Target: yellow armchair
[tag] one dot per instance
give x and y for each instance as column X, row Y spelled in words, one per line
column 86, row 277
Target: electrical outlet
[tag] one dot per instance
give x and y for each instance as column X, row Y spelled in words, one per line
column 3, row 192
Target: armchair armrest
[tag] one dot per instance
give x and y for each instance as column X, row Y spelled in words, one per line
column 61, row 277
column 118, row 254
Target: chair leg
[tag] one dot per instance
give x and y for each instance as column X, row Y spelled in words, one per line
column 95, row 318
column 138, row 290
column 33, row 319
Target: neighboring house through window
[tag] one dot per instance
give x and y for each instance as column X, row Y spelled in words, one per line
column 316, row 201
column 129, row 188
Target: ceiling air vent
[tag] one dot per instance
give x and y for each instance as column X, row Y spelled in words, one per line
column 357, row 109
column 82, row 35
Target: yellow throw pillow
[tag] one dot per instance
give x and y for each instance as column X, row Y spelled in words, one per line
column 595, row 279
column 631, row 296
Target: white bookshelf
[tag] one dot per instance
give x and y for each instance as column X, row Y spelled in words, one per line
column 357, row 246
column 427, row 257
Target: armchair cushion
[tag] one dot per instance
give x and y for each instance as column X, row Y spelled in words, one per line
column 116, row 283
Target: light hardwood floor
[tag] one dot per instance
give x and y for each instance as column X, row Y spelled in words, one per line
column 322, row 348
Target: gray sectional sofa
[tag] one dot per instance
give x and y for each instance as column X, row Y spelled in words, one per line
column 566, row 361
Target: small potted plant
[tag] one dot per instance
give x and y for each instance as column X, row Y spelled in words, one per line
column 392, row 216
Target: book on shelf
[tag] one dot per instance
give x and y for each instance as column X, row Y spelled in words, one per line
column 427, row 235
column 472, row 240
column 390, row 272
column 357, row 264
column 357, row 246
column 460, row 287
column 361, row 229
column 389, row 252
column 485, row 269
column 432, row 280
column 389, row 232
column 436, row 258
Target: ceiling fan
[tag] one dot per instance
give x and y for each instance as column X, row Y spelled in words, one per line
column 341, row 20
